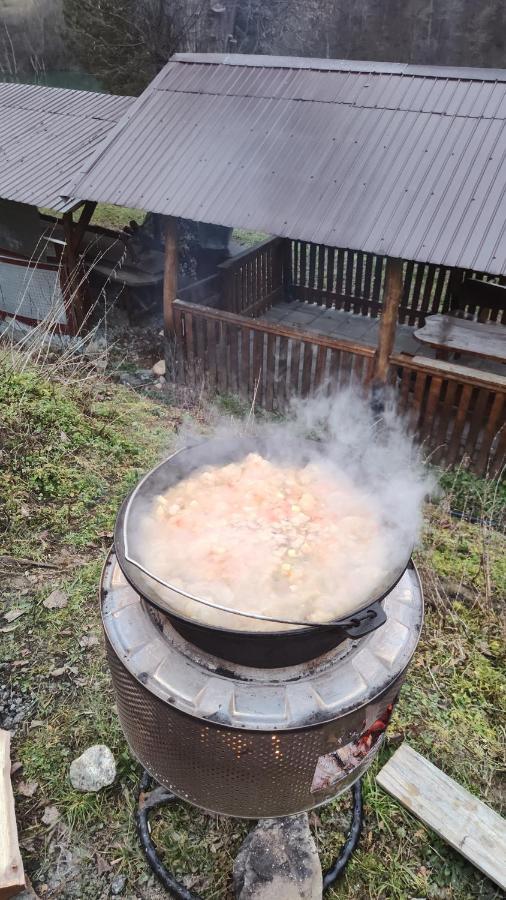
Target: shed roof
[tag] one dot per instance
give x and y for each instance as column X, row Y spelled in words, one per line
column 47, row 134
column 408, row 161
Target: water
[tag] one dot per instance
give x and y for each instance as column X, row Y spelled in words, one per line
column 80, row 81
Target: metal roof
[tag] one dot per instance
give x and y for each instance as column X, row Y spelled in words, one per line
column 408, row 161
column 47, row 135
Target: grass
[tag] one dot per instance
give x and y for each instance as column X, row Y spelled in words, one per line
column 70, row 451
column 109, row 216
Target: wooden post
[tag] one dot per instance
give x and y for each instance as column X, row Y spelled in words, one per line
column 12, row 879
column 170, row 275
column 74, row 292
column 392, row 295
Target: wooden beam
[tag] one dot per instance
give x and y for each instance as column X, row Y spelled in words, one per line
column 463, row 821
column 12, row 879
column 81, row 226
column 170, row 275
column 392, row 295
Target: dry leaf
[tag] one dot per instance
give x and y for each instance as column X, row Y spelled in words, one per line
column 102, row 865
column 8, row 628
column 15, row 767
column 36, row 723
column 51, row 815
column 25, row 512
column 14, row 614
column 89, row 640
column 57, row 673
column 27, row 788
column 56, row 600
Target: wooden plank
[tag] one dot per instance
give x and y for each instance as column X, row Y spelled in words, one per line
column 388, row 322
column 335, row 361
column 458, row 817
column 446, row 415
column 377, row 287
column 234, row 358
column 287, row 266
column 496, row 421
column 427, row 293
column 415, row 296
column 270, row 371
column 312, row 265
column 245, row 366
column 453, row 371
column 302, row 264
column 281, row 392
column 211, row 351
column 321, row 359
column 478, row 420
column 348, row 290
column 190, row 348
column 170, row 270
column 330, row 281
column 258, row 373
column 458, row 425
column 406, row 379
column 431, row 407
column 12, row 879
column 307, row 367
column 295, row 367
column 200, row 334
column 341, row 259
column 357, row 306
column 440, row 297
column 367, row 292
column 408, row 284
column 221, row 356
column 484, row 339
column 321, row 267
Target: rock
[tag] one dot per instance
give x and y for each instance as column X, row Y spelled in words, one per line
column 56, row 600
column 278, row 861
column 159, row 368
column 94, row 769
column 118, row 885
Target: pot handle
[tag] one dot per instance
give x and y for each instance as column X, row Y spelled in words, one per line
column 364, row 622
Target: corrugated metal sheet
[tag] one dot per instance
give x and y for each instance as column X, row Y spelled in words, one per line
column 408, row 161
column 46, row 137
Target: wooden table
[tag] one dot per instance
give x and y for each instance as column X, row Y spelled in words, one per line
column 449, row 334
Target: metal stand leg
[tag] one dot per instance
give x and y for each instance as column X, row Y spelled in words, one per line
column 332, row 874
column 159, row 796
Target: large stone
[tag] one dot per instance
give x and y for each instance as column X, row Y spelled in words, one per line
column 278, row 861
column 159, row 368
column 94, row 769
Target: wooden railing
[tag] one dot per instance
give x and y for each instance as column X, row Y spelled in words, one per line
column 260, row 359
column 455, row 411
column 252, row 281
column 353, row 281
column 458, row 413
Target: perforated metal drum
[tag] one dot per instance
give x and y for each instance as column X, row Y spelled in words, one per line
column 252, row 742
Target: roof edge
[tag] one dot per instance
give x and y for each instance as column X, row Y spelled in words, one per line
column 465, row 73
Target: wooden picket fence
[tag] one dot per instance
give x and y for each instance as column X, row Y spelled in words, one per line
column 456, row 412
column 352, row 280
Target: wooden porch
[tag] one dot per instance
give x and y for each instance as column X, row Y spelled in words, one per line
column 287, row 317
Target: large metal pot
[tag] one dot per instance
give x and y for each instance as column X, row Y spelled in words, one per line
column 252, row 648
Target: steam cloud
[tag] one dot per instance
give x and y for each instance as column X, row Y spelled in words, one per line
column 344, row 437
